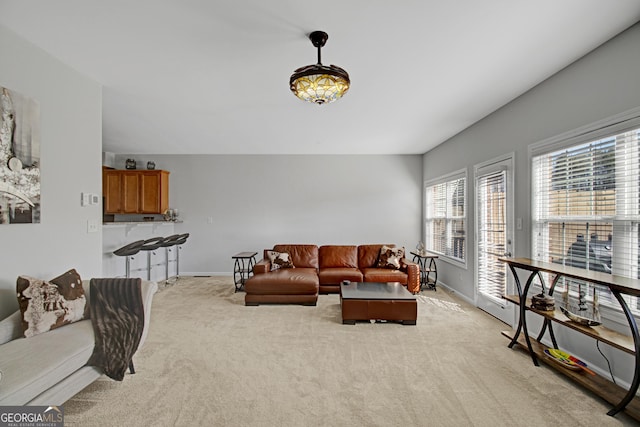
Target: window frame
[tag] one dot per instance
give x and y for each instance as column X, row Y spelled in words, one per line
column 602, row 129
column 445, row 179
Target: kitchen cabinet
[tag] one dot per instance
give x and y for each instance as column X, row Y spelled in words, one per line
column 112, row 190
column 135, row 191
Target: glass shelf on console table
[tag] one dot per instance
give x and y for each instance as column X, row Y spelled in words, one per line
column 619, row 397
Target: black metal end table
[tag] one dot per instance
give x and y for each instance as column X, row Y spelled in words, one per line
column 421, row 259
column 243, row 268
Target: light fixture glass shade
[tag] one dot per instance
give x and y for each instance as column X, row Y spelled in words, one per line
column 320, row 84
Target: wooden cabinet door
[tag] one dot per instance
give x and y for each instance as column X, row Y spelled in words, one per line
column 130, row 192
column 149, row 192
column 112, row 191
column 154, row 192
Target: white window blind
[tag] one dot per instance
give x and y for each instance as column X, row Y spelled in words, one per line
column 445, row 217
column 491, row 223
column 586, row 208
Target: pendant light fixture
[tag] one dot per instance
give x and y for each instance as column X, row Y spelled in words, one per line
column 318, row 83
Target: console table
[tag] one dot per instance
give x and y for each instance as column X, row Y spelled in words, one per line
column 243, row 268
column 421, row 259
column 617, row 396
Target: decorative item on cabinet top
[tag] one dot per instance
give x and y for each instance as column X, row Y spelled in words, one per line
column 130, row 164
column 171, row 215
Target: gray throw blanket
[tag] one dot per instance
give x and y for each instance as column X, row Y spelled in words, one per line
column 117, row 315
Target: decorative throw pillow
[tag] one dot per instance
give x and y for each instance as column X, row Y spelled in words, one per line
column 279, row 260
column 70, row 284
column 390, row 257
column 48, row 305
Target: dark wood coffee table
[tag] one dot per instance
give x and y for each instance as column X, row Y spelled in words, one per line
column 377, row 301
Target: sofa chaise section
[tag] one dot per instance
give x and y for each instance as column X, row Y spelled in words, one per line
column 298, row 285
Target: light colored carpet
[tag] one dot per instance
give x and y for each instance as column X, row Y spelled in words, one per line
column 209, row 360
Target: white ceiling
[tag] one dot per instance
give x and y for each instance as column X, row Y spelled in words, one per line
column 212, row 77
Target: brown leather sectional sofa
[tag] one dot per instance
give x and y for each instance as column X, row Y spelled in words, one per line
column 321, row 270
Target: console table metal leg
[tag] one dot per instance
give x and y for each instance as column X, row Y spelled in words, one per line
column 547, row 324
column 636, row 342
column 516, row 279
column 547, row 321
column 522, row 322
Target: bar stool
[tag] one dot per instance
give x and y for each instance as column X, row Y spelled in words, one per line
column 129, row 251
column 167, row 244
column 150, row 245
column 180, row 240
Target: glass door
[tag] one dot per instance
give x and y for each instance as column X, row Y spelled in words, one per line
column 494, row 236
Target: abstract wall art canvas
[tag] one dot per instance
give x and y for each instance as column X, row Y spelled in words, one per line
column 19, row 158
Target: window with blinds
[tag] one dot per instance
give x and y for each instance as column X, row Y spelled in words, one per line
column 586, row 208
column 445, row 217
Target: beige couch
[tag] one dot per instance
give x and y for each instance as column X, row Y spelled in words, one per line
column 50, row 368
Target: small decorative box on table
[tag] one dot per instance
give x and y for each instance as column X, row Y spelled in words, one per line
column 243, row 268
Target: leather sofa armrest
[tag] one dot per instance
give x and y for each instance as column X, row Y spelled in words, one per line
column 413, row 275
column 261, row 267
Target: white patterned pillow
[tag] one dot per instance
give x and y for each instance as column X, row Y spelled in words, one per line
column 46, row 305
column 279, row 260
column 390, row 257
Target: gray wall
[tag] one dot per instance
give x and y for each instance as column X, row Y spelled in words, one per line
column 236, row 203
column 603, row 83
column 71, row 129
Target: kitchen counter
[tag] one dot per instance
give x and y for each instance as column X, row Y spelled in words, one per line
column 119, row 223
column 120, row 233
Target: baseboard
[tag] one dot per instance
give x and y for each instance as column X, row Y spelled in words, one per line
column 456, row 293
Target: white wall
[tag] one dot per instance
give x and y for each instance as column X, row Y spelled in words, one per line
column 71, row 129
column 603, row 83
column 255, row 201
